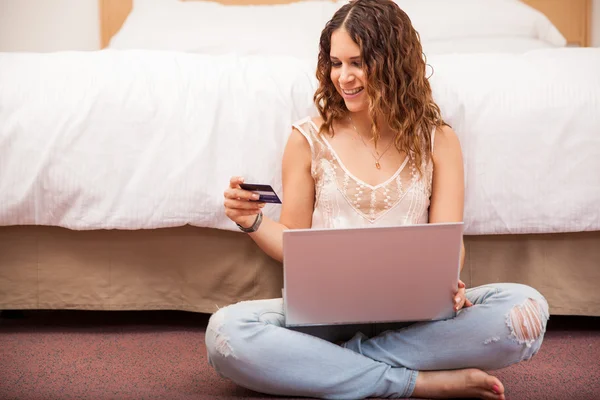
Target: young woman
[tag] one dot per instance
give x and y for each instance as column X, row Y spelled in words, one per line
column 380, row 154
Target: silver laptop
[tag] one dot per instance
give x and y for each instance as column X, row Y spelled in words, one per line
column 370, row 275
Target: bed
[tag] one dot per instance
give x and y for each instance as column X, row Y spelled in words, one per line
column 113, row 163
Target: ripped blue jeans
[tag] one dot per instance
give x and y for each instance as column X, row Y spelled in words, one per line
column 248, row 343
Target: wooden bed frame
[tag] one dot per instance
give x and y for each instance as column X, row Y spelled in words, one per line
column 571, row 17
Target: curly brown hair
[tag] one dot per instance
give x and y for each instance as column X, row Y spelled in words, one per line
column 395, row 66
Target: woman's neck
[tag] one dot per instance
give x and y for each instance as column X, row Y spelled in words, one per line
column 363, row 122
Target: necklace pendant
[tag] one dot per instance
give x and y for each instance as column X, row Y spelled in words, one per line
column 377, row 165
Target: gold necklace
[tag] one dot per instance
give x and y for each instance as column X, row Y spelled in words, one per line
column 377, row 164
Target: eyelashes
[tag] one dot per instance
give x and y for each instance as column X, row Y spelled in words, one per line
column 337, row 64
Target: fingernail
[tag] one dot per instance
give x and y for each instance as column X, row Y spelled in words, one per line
column 261, row 205
column 456, row 300
column 256, row 196
column 496, row 389
column 241, row 179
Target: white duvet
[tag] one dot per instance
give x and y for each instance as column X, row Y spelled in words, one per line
column 141, row 139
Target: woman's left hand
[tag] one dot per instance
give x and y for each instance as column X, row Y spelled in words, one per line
column 460, row 297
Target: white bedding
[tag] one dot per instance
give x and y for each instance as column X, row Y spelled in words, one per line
column 530, row 132
column 140, row 139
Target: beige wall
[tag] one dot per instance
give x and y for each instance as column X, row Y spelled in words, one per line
column 49, row 25
column 596, row 23
column 52, row 25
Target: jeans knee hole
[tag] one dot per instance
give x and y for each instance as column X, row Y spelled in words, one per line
column 527, row 321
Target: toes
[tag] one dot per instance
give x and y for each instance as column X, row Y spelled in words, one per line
column 494, row 384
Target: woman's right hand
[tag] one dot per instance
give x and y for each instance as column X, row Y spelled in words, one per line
column 238, row 206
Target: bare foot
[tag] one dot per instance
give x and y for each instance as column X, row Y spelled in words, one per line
column 469, row 383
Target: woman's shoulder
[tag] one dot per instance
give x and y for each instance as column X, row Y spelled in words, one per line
column 444, row 139
column 317, row 121
column 309, row 128
column 308, row 121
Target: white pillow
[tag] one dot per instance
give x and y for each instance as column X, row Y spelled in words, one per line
column 294, row 29
column 211, row 28
column 450, row 19
column 515, row 45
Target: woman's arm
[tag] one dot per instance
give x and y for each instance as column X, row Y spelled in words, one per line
column 447, row 193
column 298, row 202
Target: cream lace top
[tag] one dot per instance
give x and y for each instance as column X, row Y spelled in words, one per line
column 344, row 201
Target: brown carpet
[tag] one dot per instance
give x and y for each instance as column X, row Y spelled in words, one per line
column 161, row 355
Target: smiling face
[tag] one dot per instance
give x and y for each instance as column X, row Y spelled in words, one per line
column 371, row 62
column 347, row 73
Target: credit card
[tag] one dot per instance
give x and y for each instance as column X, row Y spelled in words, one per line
column 266, row 192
